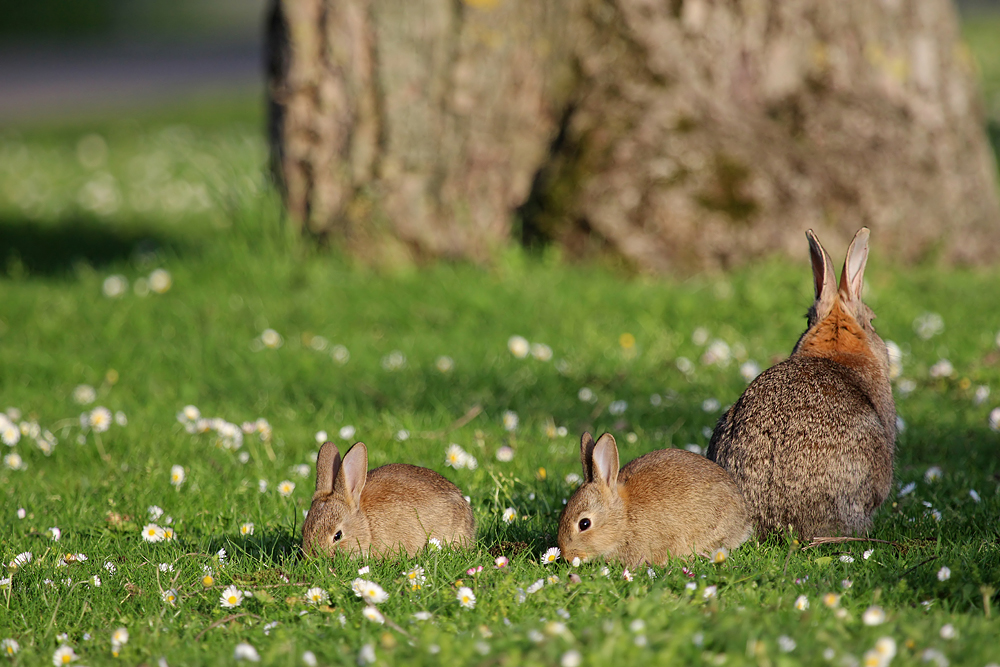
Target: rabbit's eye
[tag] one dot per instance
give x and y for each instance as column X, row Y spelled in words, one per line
column 336, row 536
column 584, row 524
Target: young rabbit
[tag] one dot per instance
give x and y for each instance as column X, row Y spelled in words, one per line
column 670, row 502
column 810, row 443
column 378, row 512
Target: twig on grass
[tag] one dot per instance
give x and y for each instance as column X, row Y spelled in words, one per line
column 923, row 562
column 820, row 541
column 223, row 621
column 471, row 414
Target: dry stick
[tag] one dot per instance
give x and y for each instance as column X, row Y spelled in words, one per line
column 223, row 621
column 472, row 413
column 820, row 541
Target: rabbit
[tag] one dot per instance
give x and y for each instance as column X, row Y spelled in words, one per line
column 397, row 506
column 670, row 502
column 810, row 442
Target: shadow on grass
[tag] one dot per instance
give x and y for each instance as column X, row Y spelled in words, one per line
column 29, row 246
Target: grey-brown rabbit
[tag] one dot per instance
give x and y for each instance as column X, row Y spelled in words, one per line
column 378, row 512
column 669, row 502
column 810, row 442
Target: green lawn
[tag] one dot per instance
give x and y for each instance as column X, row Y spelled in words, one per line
column 105, row 208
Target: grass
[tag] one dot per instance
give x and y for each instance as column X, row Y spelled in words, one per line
column 189, row 198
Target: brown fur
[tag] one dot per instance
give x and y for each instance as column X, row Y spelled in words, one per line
column 810, row 442
column 378, row 512
column 669, row 502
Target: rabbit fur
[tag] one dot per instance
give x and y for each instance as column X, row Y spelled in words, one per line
column 378, row 512
column 670, row 502
column 810, row 442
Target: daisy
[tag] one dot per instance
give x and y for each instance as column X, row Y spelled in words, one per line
column 168, row 533
column 786, row 644
column 84, row 394
column 160, row 281
column 363, row 570
column 55, row 533
column 831, row 600
column 551, row 556
column 9, row 433
column 309, row 659
column 14, row 461
column 244, row 651
column 271, row 339
column 246, row 529
column 373, row 615
column 541, row 351
column 510, row 420
column 948, row 631
column 21, row 513
column 944, row 574
column 154, row 512
column 885, row 647
column 152, row 533
column 535, row 587
column 509, row 515
column 573, row 479
column 317, row 596
column 177, row 475
column 518, row 346
column 455, row 457
column 874, row 615
column 95, row 581
column 347, row 432
column 719, row 555
column 466, row 597
column 9, row 647
column 118, row 639
column 367, row 654
column 262, row 485
column 285, row 488
column 189, row 413
column 415, row 577
column 231, row 597
column 445, row 364
column 435, row 543
column 505, row 454
column 169, row 596
column 933, row 474
column 63, row 656
column 422, row 616
column 576, row 561
column 711, row 592
column 501, row 562
column 847, row 558
column 20, row 560
column 100, row 419
column 802, row 603
column 369, row 591
column 626, row 575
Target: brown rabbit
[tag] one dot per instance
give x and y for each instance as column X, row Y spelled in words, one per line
column 670, row 502
column 378, row 512
column 810, row 443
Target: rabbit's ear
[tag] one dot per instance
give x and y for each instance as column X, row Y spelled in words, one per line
column 327, row 466
column 605, row 461
column 587, row 456
column 353, row 473
column 852, row 279
column 824, row 279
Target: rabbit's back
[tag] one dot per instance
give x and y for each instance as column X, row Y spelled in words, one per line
column 808, row 447
column 406, row 505
column 681, row 503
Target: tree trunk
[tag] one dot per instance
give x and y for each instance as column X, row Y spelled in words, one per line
column 681, row 134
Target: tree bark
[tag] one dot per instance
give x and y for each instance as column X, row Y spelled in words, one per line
column 680, row 134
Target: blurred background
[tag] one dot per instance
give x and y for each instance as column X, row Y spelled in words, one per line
column 97, row 65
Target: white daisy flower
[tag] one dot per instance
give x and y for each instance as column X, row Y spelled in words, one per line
column 317, row 596
column 95, row 581
column 541, row 351
column 831, row 600
column 244, row 651
column 9, row 647
column 846, row 558
column 551, row 555
column 786, row 644
column 711, row 592
column 369, row 591
column 402, row 435
column 933, row 474
column 160, row 281
column 505, row 454
column 21, row 513
column 189, row 413
column 309, row 659
column 262, row 485
column 9, row 433
column 120, row 636
column 366, row 655
column 586, row 395
column 14, row 461
column 948, row 631
column 618, row 407
column 321, row 437
column 802, row 603
column 749, row 370
column 152, row 533
column 874, row 615
column 455, row 457
column 246, row 529
column 365, row 569
column 944, row 574
column 466, row 597
column 719, row 555
column 100, row 419
column 535, row 587
column 121, row 419
column 154, row 512
column 518, row 346
column 347, row 432
column 942, row 369
column 445, row 364
column 510, row 420
column 415, row 577
column 271, row 339
column 422, row 616
column 285, row 488
column 434, row 543
column 509, row 515
column 627, row 575
column 231, row 597
column 64, row 655
column 84, row 394
column 55, row 533
column 21, row 560
column 373, row 615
